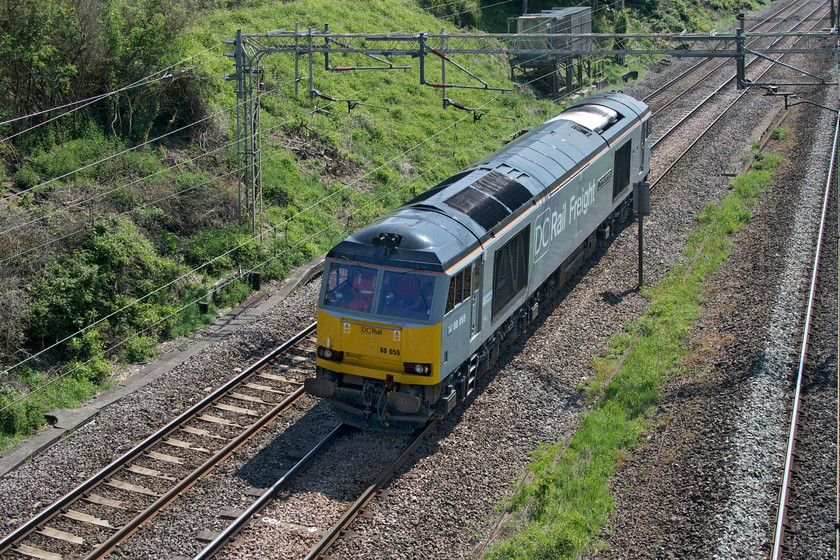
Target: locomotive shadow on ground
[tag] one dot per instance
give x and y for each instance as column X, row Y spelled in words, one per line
column 548, row 308
column 354, row 463
column 820, row 376
column 612, row 299
column 263, row 470
column 542, row 382
column 285, row 450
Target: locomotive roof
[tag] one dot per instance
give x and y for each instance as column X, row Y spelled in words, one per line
column 436, row 228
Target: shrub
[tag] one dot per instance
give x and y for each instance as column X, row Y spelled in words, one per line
column 85, row 346
column 220, row 248
column 114, row 267
column 139, row 348
column 91, row 373
column 24, row 416
column 15, row 316
column 232, row 293
column 25, row 178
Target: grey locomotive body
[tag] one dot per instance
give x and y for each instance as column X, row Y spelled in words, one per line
column 480, row 251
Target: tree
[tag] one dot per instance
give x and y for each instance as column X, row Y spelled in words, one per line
column 54, row 52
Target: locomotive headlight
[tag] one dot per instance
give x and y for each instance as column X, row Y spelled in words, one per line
column 330, row 354
column 418, row 369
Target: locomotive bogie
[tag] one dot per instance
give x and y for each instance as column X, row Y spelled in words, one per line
column 417, row 306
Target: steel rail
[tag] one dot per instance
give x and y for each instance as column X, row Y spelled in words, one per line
column 672, row 81
column 718, row 67
column 335, row 531
column 719, row 89
column 184, row 484
column 794, row 417
column 74, row 495
column 714, row 122
column 239, row 523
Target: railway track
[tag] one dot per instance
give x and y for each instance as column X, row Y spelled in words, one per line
column 210, row 432
column 717, row 115
column 314, row 533
column 806, row 367
column 698, row 74
column 246, row 515
column 104, row 511
column 793, row 463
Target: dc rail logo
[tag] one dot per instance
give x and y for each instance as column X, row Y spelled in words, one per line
column 548, row 225
column 552, row 222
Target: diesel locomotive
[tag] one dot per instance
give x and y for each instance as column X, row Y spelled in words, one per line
column 416, row 306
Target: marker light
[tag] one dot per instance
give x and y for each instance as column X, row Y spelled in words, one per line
column 418, row 369
column 330, row 354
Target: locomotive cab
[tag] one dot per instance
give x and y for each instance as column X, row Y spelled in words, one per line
column 378, row 343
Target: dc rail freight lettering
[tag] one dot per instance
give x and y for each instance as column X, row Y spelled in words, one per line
column 415, row 307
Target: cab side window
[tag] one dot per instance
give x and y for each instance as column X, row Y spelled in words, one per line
column 460, row 288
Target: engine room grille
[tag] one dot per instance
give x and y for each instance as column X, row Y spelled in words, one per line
column 504, row 189
column 439, row 187
column 484, row 209
column 510, row 270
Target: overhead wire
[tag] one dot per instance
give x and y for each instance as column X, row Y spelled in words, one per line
column 155, row 291
column 112, row 156
column 234, row 278
column 162, row 136
column 103, row 95
column 80, row 104
column 118, row 188
column 253, row 238
column 102, row 194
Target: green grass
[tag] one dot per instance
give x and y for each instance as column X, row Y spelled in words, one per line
column 568, row 503
column 71, row 388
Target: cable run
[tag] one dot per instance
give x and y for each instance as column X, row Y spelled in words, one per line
column 224, row 284
column 91, row 100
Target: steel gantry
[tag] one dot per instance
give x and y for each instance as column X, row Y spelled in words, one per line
column 250, row 48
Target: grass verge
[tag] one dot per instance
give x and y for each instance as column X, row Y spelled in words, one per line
column 567, row 502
